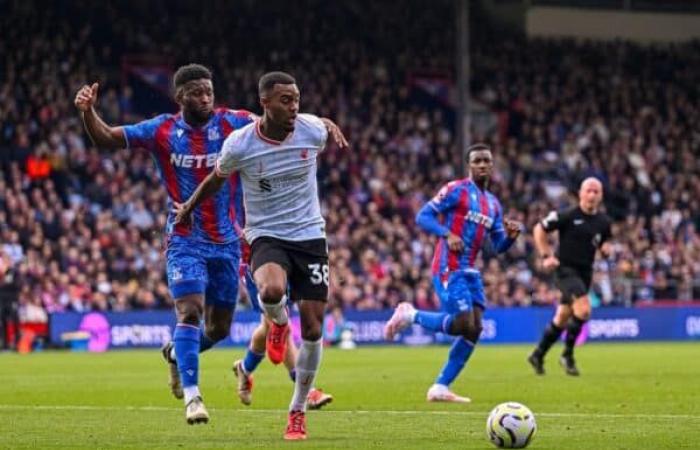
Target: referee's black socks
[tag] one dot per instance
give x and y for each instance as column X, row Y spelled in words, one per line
column 549, row 337
column 573, row 329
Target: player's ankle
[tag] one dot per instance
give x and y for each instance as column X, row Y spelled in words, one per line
column 191, row 392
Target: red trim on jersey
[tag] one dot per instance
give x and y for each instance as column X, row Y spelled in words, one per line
column 437, row 256
column 267, row 139
column 480, row 229
column 162, row 152
column 207, row 208
column 457, row 226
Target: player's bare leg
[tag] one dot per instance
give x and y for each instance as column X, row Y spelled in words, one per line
column 549, row 337
column 307, row 365
column 271, row 281
column 581, row 312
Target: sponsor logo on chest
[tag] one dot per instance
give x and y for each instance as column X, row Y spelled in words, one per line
column 480, row 219
column 193, row 161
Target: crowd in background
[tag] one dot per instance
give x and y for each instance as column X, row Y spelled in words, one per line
column 82, row 228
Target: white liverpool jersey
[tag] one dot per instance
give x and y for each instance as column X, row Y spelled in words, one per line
column 279, row 179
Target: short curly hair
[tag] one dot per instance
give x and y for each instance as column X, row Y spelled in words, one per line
column 190, row 72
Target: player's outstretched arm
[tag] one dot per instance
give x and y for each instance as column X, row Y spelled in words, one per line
column 102, row 135
column 210, row 186
column 335, row 131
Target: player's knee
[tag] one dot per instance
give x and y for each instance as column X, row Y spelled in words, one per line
column 189, row 312
column 311, row 332
column 271, row 292
column 583, row 314
column 582, row 308
column 562, row 316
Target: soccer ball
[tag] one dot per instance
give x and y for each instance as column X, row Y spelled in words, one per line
column 511, row 425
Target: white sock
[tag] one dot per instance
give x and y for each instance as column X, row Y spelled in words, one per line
column 190, row 393
column 308, row 361
column 275, row 312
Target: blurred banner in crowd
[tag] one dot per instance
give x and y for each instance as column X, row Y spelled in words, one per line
column 105, row 331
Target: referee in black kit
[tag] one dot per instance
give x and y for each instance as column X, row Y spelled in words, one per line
column 582, row 231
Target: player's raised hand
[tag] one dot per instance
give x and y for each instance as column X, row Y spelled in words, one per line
column 455, row 243
column 513, row 228
column 86, row 97
column 335, row 132
column 183, row 213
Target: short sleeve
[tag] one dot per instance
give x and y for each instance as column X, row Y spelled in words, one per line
column 556, row 220
column 143, row 134
column 227, row 161
column 317, row 128
column 446, row 198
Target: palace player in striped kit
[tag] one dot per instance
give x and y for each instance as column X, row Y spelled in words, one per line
column 471, row 213
column 202, row 257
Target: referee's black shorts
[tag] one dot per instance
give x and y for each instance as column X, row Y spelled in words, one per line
column 573, row 282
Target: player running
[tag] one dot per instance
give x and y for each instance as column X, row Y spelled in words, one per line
column 470, row 213
column 244, row 368
column 203, row 257
column 276, row 159
column 583, row 229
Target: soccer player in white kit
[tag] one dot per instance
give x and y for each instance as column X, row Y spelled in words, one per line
column 276, row 159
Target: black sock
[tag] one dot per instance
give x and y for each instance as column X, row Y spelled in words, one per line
column 549, row 337
column 573, row 329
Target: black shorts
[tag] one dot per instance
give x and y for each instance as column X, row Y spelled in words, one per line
column 306, row 264
column 573, row 283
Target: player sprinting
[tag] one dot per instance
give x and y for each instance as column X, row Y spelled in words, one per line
column 583, row 229
column 276, row 159
column 471, row 213
column 202, row 258
column 244, row 368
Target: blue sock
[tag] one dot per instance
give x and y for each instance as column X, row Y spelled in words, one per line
column 459, row 355
column 251, row 361
column 186, row 339
column 293, row 375
column 204, row 342
column 434, row 321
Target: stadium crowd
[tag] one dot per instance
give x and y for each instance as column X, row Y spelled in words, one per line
column 83, row 228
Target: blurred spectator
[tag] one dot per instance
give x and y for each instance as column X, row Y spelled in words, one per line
column 84, row 228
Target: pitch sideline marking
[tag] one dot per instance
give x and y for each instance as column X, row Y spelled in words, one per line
column 368, row 412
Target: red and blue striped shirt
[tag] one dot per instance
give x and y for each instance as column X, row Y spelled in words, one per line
column 468, row 212
column 184, row 156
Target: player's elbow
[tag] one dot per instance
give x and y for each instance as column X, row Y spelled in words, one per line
column 423, row 217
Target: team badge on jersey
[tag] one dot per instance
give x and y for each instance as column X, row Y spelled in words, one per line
column 213, row 134
column 304, row 154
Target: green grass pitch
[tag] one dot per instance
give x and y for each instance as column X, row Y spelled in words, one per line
column 630, row 396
